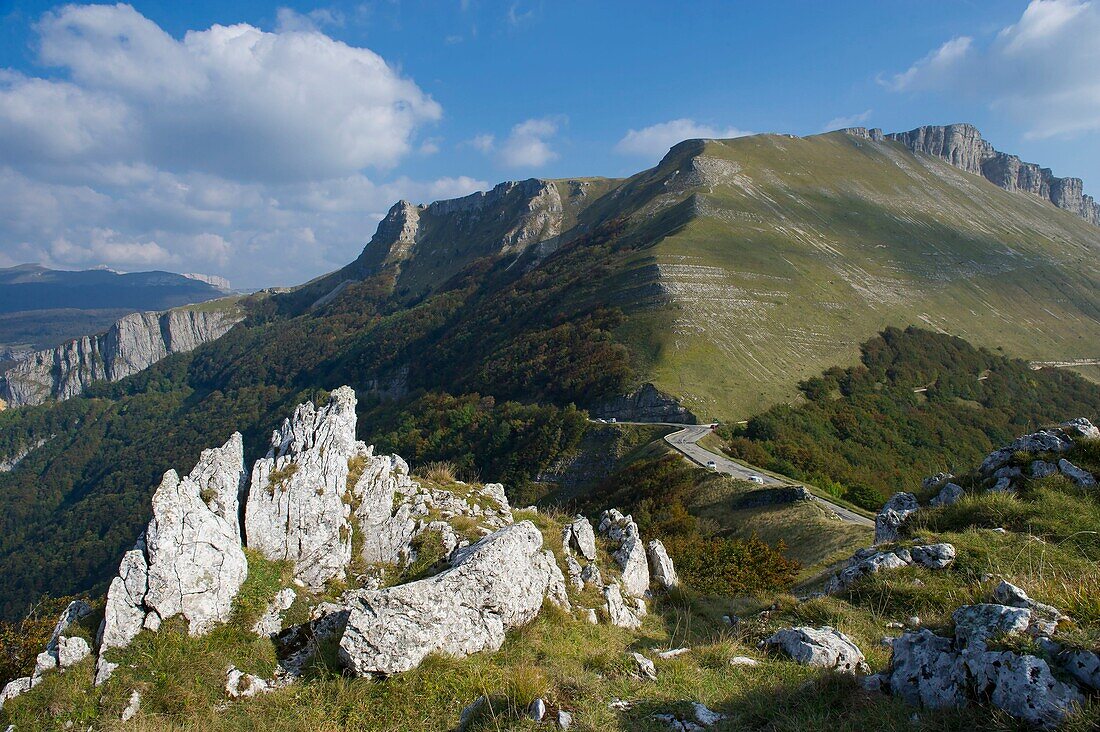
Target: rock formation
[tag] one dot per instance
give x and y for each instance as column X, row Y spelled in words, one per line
column 131, row 345
column 296, row 507
column 871, row 561
column 647, row 403
column 822, row 647
column 630, row 553
column 188, row 562
column 893, row 515
column 496, row 584
column 63, row 650
column 962, row 145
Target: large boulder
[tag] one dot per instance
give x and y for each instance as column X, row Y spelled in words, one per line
column 927, row 670
column 1080, row 477
column 1021, row 685
column 617, row 611
column 821, row 647
column 578, row 536
column 664, row 572
column 630, row 554
column 296, row 507
column 188, row 561
column 893, row 515
column 949, row 494
column 975, row 624
column 496, row 584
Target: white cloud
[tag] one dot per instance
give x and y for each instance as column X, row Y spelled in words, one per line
column 852, row 120
column 483, row 143
column 654, row 141
column 231, row 100
column 527, row 145
column 288, row 19
column 1040, row 71
column 232, row 151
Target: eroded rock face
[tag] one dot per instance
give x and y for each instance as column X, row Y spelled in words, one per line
column 131, row 345
column 645, row 404
column 927, row 670
column 893, row 515
column 1021, row 685
column 189, row 560
column 496, row 584
column 630, row 554
column 617, row 611
column 296, row 506
column 962, row 145
column 664, row 572
column 821, row 647
column 578, row 536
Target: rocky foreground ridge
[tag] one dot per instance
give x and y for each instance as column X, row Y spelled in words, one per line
column 341, row 516
column 132, row 344
column 963, row 146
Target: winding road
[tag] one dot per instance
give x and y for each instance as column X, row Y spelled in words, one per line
column 686, row 441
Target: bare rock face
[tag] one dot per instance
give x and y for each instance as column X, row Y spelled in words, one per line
column 821, row 647
column 578, row 536
column 62, row 651
column 620, row 615
column 630, row 554
column 188, row 562
column 296, row 509
column 132, row 344
column 496, row 584
column 962, row 145
column 1081, row 477
column 926, row 670
column 893, row 515
column 647, row 403
column 1023, row 686
column 663, row 569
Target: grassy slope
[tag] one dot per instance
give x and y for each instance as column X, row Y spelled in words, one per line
column 582, row 668
column 799, row 249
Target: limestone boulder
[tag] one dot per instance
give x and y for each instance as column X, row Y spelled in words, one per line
column 893, row 515
column 493, row 585
column 928, row 671
column 1080, row 477
column 663, row 570
column 578, row 536
column 823, row 647
column 949, row 494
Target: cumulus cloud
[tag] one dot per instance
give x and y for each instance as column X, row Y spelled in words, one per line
column 654, row 141
column 1041, row 70
column 852, row 120
column 527, row 146
column 231, row 150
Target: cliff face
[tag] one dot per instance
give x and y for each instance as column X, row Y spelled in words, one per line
column 130, row 345
column 962, row 145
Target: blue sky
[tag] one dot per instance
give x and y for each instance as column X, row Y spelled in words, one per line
column 263, row 141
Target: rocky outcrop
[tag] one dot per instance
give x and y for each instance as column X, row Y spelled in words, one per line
column 131, row 345
column 821, row 647
column 496, row 584
column 664, row 572
column 999, row 473
column 630, row 552
column 962, row 145
column 870, row 561
column 188, row 562
column 63, row 650
column 11, row 462
column 647, row 403
column 892, row 515
column 296, row 507
column 938, row 672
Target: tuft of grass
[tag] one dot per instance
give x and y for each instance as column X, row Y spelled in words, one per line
column 442, row 472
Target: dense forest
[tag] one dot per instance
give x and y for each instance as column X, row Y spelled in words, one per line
column 918, row 403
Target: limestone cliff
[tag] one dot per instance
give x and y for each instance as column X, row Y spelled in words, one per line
column 963, row 146
column 130, row 345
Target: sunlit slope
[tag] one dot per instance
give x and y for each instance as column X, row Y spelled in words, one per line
column 779, row 255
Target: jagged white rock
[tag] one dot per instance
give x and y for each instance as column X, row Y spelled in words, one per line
column 663, row 570
column 1081, row 477
column 644, row 667
column 578, row 535
column 619, row 614
column 630, row 554
column 948, row 495
column 496, row 584
column 296, row 509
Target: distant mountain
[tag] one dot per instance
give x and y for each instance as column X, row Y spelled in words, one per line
column 42, row 308
column 34, row 287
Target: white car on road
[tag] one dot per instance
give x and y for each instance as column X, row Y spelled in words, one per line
column 756, row 479
column 711, row 465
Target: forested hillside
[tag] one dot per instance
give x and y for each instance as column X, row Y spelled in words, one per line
column 919, row 402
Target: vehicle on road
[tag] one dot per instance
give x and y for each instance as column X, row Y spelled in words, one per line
column 711, row 465
column 756, row 479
